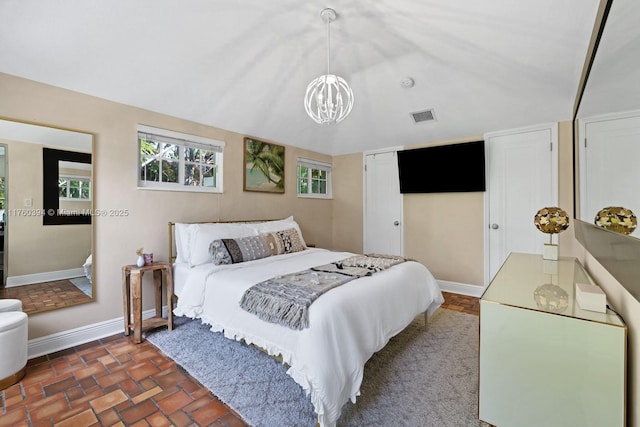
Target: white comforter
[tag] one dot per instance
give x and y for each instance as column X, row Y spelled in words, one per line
column 347, row 324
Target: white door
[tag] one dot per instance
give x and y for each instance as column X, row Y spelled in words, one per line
column 382, row 205
column 522, row 178
column 608, row 155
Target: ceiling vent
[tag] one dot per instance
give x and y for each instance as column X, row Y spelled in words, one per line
column 423, row 116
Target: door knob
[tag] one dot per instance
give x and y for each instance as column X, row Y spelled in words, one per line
column 495, row 226
column 396, row 223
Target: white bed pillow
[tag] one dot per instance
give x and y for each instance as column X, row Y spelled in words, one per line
column 181, row 235
column 279, row 225
column 201, row 236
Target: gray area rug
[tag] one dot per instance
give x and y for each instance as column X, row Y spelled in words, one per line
column 421, row 378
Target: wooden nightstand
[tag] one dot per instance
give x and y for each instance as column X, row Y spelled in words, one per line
column 132, row 295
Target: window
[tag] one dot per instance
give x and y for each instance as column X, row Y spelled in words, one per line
column 314, row 179
column 75, row 188
column 177, row 161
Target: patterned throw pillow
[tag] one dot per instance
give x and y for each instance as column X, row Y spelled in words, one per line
column 291, row 240
column 274, row 243
column 283, row 242
column 233, row 251
column 219, row 253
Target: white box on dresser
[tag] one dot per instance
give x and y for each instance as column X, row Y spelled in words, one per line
column 591, row 297
column 544, row 361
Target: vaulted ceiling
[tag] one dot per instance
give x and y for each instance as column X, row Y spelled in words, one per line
column 244, row 65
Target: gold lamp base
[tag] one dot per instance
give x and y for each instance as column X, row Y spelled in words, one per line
column 550, row 252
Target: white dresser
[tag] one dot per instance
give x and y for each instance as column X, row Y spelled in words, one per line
column 543, row 360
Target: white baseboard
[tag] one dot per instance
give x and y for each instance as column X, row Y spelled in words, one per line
column 62, row 340
column 48, row 276
column 461, row 288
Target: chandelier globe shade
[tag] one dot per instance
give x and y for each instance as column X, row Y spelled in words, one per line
column 328, row 98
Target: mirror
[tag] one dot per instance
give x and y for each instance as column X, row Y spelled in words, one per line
column 607, row 147
column 609, row 117
column 47, row 230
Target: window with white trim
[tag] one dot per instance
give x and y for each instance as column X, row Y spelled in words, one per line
column 177, row 161
column 74, row 188
column 314, row 179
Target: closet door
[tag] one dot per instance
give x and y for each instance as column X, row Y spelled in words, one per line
column 383, row 225
column 522, row 171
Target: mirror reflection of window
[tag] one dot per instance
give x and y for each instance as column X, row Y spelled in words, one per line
column 74, row 187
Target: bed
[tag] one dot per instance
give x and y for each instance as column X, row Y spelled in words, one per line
column 347, row 324
column 87, row 266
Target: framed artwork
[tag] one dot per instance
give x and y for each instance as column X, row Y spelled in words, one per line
column 263, row 166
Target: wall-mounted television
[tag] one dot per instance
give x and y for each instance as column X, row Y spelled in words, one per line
column 450, row 168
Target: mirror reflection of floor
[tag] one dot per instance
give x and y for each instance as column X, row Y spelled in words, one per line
column 46, row 296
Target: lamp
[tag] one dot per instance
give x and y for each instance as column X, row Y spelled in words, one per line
column 551, row 220
column 618, row 219
column 328, row 99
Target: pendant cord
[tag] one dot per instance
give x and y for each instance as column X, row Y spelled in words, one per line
column 328, row 43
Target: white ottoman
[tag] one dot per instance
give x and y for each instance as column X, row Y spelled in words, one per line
column 10, row 305
column 13, row 347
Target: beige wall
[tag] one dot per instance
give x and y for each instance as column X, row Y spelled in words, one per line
column 348, row 203
column 445, row 231
column 568, row 245
column 32, row 247
column 115, row 171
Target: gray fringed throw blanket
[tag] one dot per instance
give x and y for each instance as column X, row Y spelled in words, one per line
column 285, row 300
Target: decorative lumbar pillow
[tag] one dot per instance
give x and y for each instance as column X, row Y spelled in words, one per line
column 291, row 240
column 284, row 241
column 200, row 237
column 219, row 253
column 274, row 243
column 232, row 251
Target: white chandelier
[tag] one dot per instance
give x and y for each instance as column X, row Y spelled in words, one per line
column 329, row 98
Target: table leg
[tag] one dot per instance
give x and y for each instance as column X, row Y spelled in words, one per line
column 157, row 288
column 126, row 300
column 168, row 279
column 136, row 285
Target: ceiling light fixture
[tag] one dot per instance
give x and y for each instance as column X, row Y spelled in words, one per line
column 328, row 99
